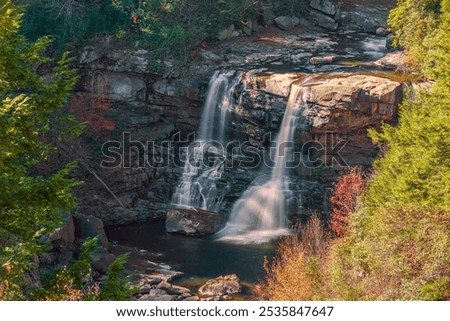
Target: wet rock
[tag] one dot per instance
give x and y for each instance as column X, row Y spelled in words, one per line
column 168, row 275
column 393, row 60
column 286, row 22
column 370, row 26
column 323, row 20
column 153, row 279
column 212, row 298
column 381, row 32
column 173, row 289
column 325, row 6
column 158, row 295
column 208, row 55
column 193, row 222
column 222, row 285
column 260, row 57
column 323, row 60
column 368, row 19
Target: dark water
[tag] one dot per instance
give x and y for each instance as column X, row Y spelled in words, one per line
column 196, row 257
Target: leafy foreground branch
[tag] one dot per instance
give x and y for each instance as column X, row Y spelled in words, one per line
column 31, row 206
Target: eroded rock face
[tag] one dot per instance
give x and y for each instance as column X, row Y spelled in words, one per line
column 193, row 222
column 118, row 93
column 342, row 110
column 280, row 84
column 351, row 103
column 222, row 285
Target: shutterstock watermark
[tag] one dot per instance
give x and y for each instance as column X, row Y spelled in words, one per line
column 129, row 153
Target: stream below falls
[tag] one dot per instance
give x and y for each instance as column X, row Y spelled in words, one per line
column 199, row 258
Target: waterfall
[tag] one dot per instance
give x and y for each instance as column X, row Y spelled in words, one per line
column 261, row 213
column 204, row 165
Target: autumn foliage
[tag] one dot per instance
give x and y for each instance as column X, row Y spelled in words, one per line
column 344, row 200
column 296, row 270
column 92, row 110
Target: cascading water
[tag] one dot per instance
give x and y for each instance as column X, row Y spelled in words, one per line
column 206, row 155
column 260, row 214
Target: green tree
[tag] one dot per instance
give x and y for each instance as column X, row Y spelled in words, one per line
column 30, row 206
column 397, row 244
column 411, row 22
column 397, row 240
column 437, row 44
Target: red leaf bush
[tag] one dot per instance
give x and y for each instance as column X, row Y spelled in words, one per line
column 344, row 200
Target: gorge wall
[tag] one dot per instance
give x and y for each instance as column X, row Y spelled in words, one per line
column 117, row 94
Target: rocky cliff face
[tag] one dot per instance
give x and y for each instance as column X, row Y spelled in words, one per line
column 123, row 102
column 344, row 105
column 117, row 95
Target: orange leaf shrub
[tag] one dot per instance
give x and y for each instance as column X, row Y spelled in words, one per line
column 344, row 200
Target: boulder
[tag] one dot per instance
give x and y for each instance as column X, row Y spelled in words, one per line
column 393, row 60
column 257, row 27
column 286, row 23
column 325, row 6
column 222, row 285
column 226, row 34
column 209, row 55
column 173, row 289
column 323, row 60
column 381, row 32
column 158, row 295
column 65, row 234
column 91, row 226
column 322, row 20
column 367, row 21
column 370, row 26
column 101, row 260
column 168, row 275
column 193, row 222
